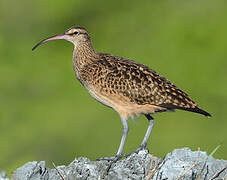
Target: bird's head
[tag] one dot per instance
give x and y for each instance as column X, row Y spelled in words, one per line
column 75, row 35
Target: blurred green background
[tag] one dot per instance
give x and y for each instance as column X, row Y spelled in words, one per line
column 45, row 114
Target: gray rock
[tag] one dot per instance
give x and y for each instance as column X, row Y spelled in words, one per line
column 3, row 176
column 186, row 164
column 31, row 171
column 179, row 164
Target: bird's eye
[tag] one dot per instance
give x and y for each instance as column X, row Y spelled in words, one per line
column 76, row 32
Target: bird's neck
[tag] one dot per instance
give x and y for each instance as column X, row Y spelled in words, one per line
column 83, row 54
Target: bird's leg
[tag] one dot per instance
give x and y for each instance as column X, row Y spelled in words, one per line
column 146, row 137
column 124, row 135
column 119, row 154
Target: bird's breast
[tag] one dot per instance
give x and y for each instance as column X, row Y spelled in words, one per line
column 100, row 98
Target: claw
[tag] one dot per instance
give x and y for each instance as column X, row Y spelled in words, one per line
column 116, row 158
column 112, row 159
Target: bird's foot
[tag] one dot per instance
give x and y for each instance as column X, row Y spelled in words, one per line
column 141, row 147
column 112, row 159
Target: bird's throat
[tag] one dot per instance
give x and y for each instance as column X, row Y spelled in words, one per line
column 83, row 55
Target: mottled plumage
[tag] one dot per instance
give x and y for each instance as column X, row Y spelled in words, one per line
column 134, row 84
column 130, row 88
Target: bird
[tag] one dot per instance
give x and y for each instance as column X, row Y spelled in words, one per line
column 128, row 87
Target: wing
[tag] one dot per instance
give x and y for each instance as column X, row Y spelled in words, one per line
column 141, row 85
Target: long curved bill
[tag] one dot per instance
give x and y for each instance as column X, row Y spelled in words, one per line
column 63, row 36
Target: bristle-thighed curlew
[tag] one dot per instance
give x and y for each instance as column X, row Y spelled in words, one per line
column 130, row 88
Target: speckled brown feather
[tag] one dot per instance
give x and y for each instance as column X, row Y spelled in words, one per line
column 127, row 86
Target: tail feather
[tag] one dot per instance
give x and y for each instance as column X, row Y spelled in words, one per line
column 199, row 111
column 195, row 109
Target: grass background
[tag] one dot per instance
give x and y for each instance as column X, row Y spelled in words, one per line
column 45, row 114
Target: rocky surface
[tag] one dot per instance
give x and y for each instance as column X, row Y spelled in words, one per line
column 180, row 164
column 3, row 176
